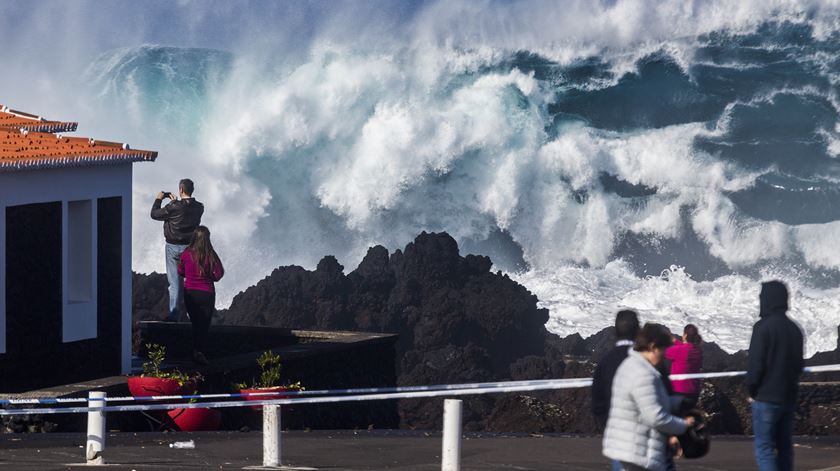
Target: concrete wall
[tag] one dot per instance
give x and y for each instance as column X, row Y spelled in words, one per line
column 319, row 360
column 84, row 194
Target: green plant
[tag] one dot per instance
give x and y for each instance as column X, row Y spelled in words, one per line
column 270, row 368
column 151, row 368
column 156, row 354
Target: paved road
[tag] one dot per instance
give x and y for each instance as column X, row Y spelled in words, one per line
column 378, row 450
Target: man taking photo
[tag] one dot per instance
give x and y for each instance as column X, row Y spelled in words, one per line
column 180, row 218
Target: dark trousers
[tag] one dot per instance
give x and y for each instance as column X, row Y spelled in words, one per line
column 200, row 306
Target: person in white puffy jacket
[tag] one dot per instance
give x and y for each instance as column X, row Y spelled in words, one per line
column 640, row 418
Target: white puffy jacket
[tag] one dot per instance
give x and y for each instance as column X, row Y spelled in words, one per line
column 640, row 420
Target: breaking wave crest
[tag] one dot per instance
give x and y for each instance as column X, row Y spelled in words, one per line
column 584, row 163
column 582, row 300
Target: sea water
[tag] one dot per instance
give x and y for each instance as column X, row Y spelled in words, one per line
column 660, row 156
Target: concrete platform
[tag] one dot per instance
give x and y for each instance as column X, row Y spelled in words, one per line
column 377, row 450
column 317, row 359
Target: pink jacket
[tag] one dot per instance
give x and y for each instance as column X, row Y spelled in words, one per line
column 193, row 279
column 686, row 358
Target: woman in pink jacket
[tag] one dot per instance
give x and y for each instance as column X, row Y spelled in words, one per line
column 687, row 358
column 201, row 267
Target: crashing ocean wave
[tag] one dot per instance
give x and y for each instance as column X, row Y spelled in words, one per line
column 725, row 308
column 585, row 148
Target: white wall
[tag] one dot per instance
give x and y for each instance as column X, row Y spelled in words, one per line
column 66, row 185
column 78, row 244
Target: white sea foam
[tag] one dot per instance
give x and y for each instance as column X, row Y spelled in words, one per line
column 585, row 301
column 566, row 31
column 358, row 149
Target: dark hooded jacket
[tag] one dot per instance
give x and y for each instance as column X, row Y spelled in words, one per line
column 602, row 382
column 180, row 218
column 776, row 349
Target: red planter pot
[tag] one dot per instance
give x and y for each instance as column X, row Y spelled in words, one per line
column 196, row 420
column 145, row 386
column 262, row 397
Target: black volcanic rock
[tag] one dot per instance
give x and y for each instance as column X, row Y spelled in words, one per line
column 150, row 297
column 527, row 414
column 459, row 322
column 307, row 299
column 456, row 320
column 600, row 343
column 150, row 302
column 575, row 345
column 430, row 295
column 716, row 359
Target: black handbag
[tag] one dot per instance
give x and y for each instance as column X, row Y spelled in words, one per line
column 695, row 441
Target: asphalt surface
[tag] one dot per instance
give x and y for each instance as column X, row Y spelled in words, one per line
column 374, row 450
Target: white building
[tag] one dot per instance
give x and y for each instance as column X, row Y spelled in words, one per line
column 65, row 249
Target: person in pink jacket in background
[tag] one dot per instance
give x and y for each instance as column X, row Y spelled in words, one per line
column 201, row 268
column 687, row 358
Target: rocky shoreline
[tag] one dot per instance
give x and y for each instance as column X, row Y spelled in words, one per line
column 459, row 322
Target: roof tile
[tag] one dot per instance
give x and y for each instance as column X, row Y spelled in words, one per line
column 28, row 142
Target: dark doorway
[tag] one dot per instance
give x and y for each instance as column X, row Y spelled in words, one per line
column 33, row 292
column 109, row 284
column 36, row 356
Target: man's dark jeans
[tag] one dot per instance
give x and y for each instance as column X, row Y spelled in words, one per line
column 773, row 428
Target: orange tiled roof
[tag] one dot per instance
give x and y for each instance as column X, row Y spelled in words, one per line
column 33, row 145
column 12, row 119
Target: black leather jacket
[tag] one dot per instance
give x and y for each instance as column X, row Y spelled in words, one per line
column 180, row 218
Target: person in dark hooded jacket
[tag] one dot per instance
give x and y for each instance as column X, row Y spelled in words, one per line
column 626, row 329
column 775, row 363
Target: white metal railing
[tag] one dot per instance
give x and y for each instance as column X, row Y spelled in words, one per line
column 317, row 392
column 451, row 448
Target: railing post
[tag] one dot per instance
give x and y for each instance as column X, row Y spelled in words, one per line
column 451, row 453
column 271, row 435
column 95, row 430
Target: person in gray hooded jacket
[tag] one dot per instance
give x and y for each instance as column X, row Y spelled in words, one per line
column 640, row 420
